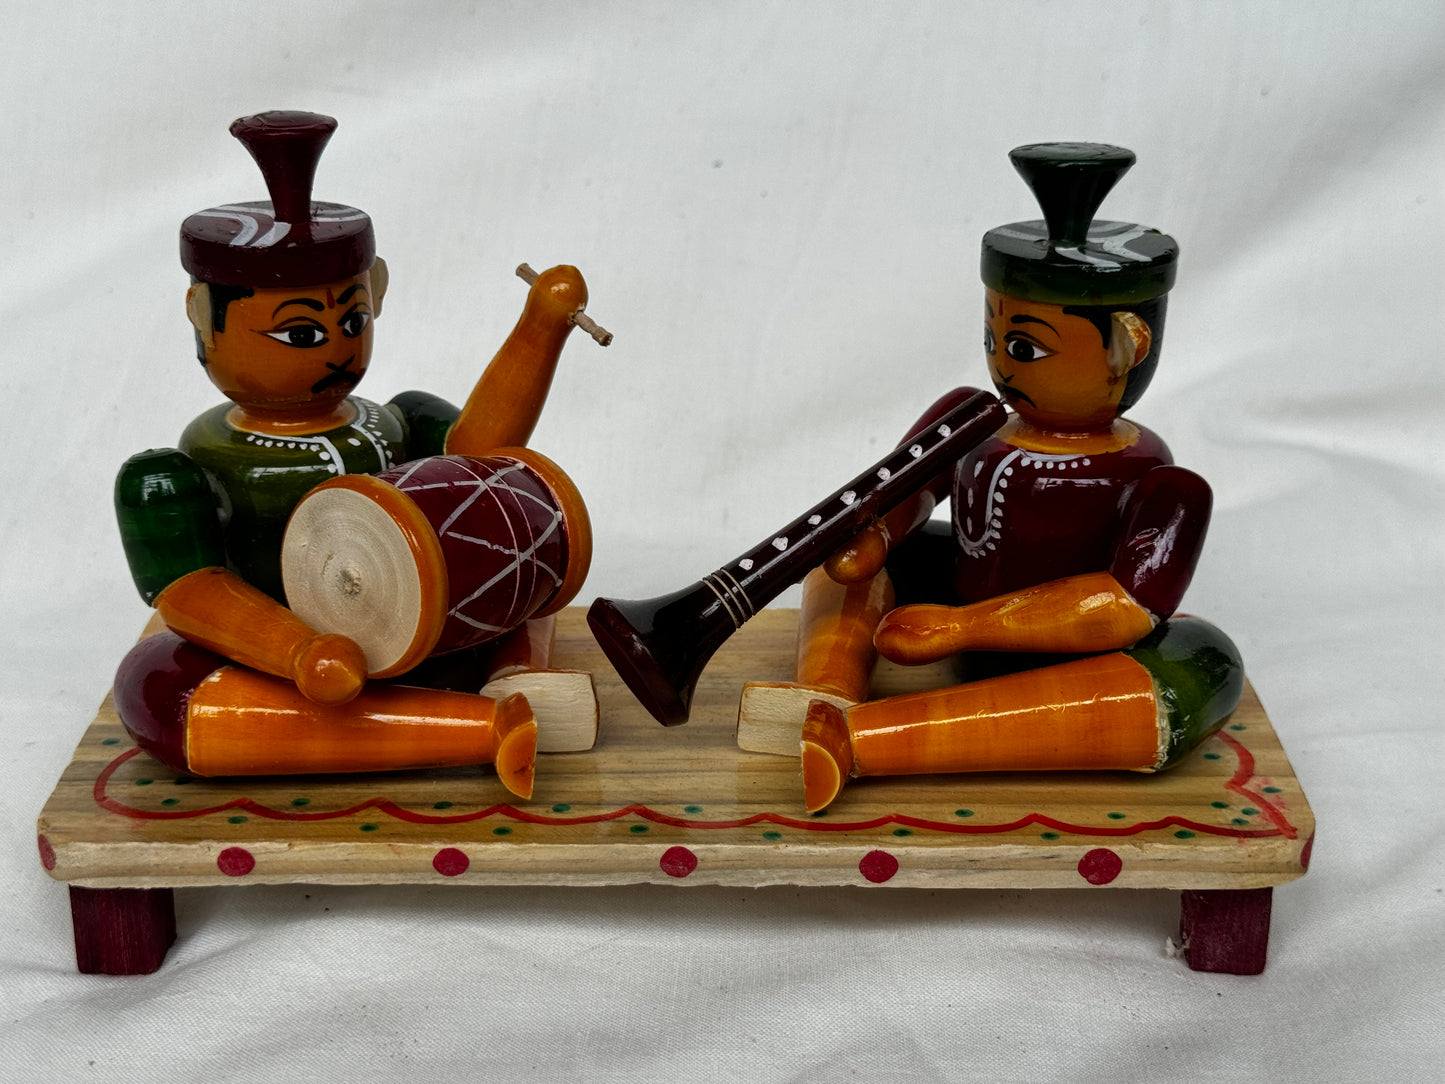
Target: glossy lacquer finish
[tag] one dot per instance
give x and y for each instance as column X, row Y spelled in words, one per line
column 660, row 646
column 1074, row 533
column 197, row 714
column 284, row 297
column 436, row 556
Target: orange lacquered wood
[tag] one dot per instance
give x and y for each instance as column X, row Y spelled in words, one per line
column 863, row 556
column 244, row 723
column 1083, row 613
column 218, row 610
column 835, row 633
column 1094, row 713
column 523, row 649
column 827, row 755
column 505, row 404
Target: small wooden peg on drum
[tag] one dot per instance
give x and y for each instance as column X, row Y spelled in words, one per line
column 581, row 319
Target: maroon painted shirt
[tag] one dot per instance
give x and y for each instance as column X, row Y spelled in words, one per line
column 1023, row 518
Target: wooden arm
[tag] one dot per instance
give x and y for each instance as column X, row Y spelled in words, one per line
column 1076, row 614
column 220, row 611
column 507, row 401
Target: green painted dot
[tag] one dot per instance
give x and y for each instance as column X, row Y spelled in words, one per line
column 370, row 827
column 1239, row 726
column 963, row 812
column 772, row 835
column 1117, row 816
column 502, row 831
column 1271, row 790
column 170, row 801
column 561, row 807
column 111, row 741
column 441, row 805
column 637, row 829
column 1220, row 805
column 237, row 820
column 144, row 782
column 1250, row 811
column 298, row 802
column 1184, row 833
column 692, row 809
column 1239, row 820
column 903, row 831
column 1211, row 756
column 1048, row 835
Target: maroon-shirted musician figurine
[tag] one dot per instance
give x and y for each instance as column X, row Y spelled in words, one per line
column 1073, row 537
column 392, row 544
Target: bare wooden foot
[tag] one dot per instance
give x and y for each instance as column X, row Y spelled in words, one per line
column 122, row 931
column 564, row 703
column 1226, row 930
column 771, row 714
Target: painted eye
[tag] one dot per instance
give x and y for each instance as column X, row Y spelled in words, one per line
column 988, row 341
column 354, row 323
column 303, row 336
column 1025, row 350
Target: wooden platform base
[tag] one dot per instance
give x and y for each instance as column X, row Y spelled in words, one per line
column 680, row 806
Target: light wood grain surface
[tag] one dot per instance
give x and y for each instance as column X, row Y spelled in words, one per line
column 685, row 806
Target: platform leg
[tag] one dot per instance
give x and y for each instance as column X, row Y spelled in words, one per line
column 122, row 931
column 1226, row 930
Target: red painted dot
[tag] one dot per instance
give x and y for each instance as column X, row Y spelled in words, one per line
column 1100, row 866
column 47, row 852
column 450, row 862
column 677, row 861
column 1304, row 855
column 235, row 862
column 878, row 866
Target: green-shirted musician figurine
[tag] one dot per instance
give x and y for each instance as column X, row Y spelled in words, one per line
column 283, row 298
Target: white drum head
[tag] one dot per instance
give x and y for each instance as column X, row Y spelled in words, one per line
column 348, row 567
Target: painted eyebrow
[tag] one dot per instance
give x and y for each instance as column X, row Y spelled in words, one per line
column 309, row 302
column 989, row 307
column 346, row 293
column 1032, row 320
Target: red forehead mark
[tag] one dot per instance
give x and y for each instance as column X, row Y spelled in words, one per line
column 330, row 301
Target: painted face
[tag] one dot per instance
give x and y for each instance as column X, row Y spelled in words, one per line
column 294, row 348
column 1053, row 368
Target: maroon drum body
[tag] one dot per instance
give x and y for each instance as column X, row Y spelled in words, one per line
column 437, row 555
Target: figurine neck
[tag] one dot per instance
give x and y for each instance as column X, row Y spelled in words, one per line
column 1022, row 433
column 292, row 423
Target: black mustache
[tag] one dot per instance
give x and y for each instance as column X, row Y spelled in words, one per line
column 340, row 374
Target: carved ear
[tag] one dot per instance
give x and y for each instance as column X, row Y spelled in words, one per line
column 198, row 311
column 1128, row 343
column 380, row 276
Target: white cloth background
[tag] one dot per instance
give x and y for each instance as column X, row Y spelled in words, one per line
column 778, row 209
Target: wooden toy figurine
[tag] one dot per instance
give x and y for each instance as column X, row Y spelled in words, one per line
column 1073, row 539
column 1074, row 535
column 283, row 298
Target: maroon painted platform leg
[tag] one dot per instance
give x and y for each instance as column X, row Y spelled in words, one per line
column 122, row 931
column 1226, row 930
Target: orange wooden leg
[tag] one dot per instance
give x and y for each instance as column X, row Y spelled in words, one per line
column 122, row 931
column 835, row 633
column 1226, row 930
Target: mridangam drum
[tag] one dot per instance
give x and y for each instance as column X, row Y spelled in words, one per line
column 436, row 555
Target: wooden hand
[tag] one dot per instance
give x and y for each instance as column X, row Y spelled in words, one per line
column 507, row 401
column 223, row 613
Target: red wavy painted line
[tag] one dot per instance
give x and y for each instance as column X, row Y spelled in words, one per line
column 385, row 806
column 1243, row 774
